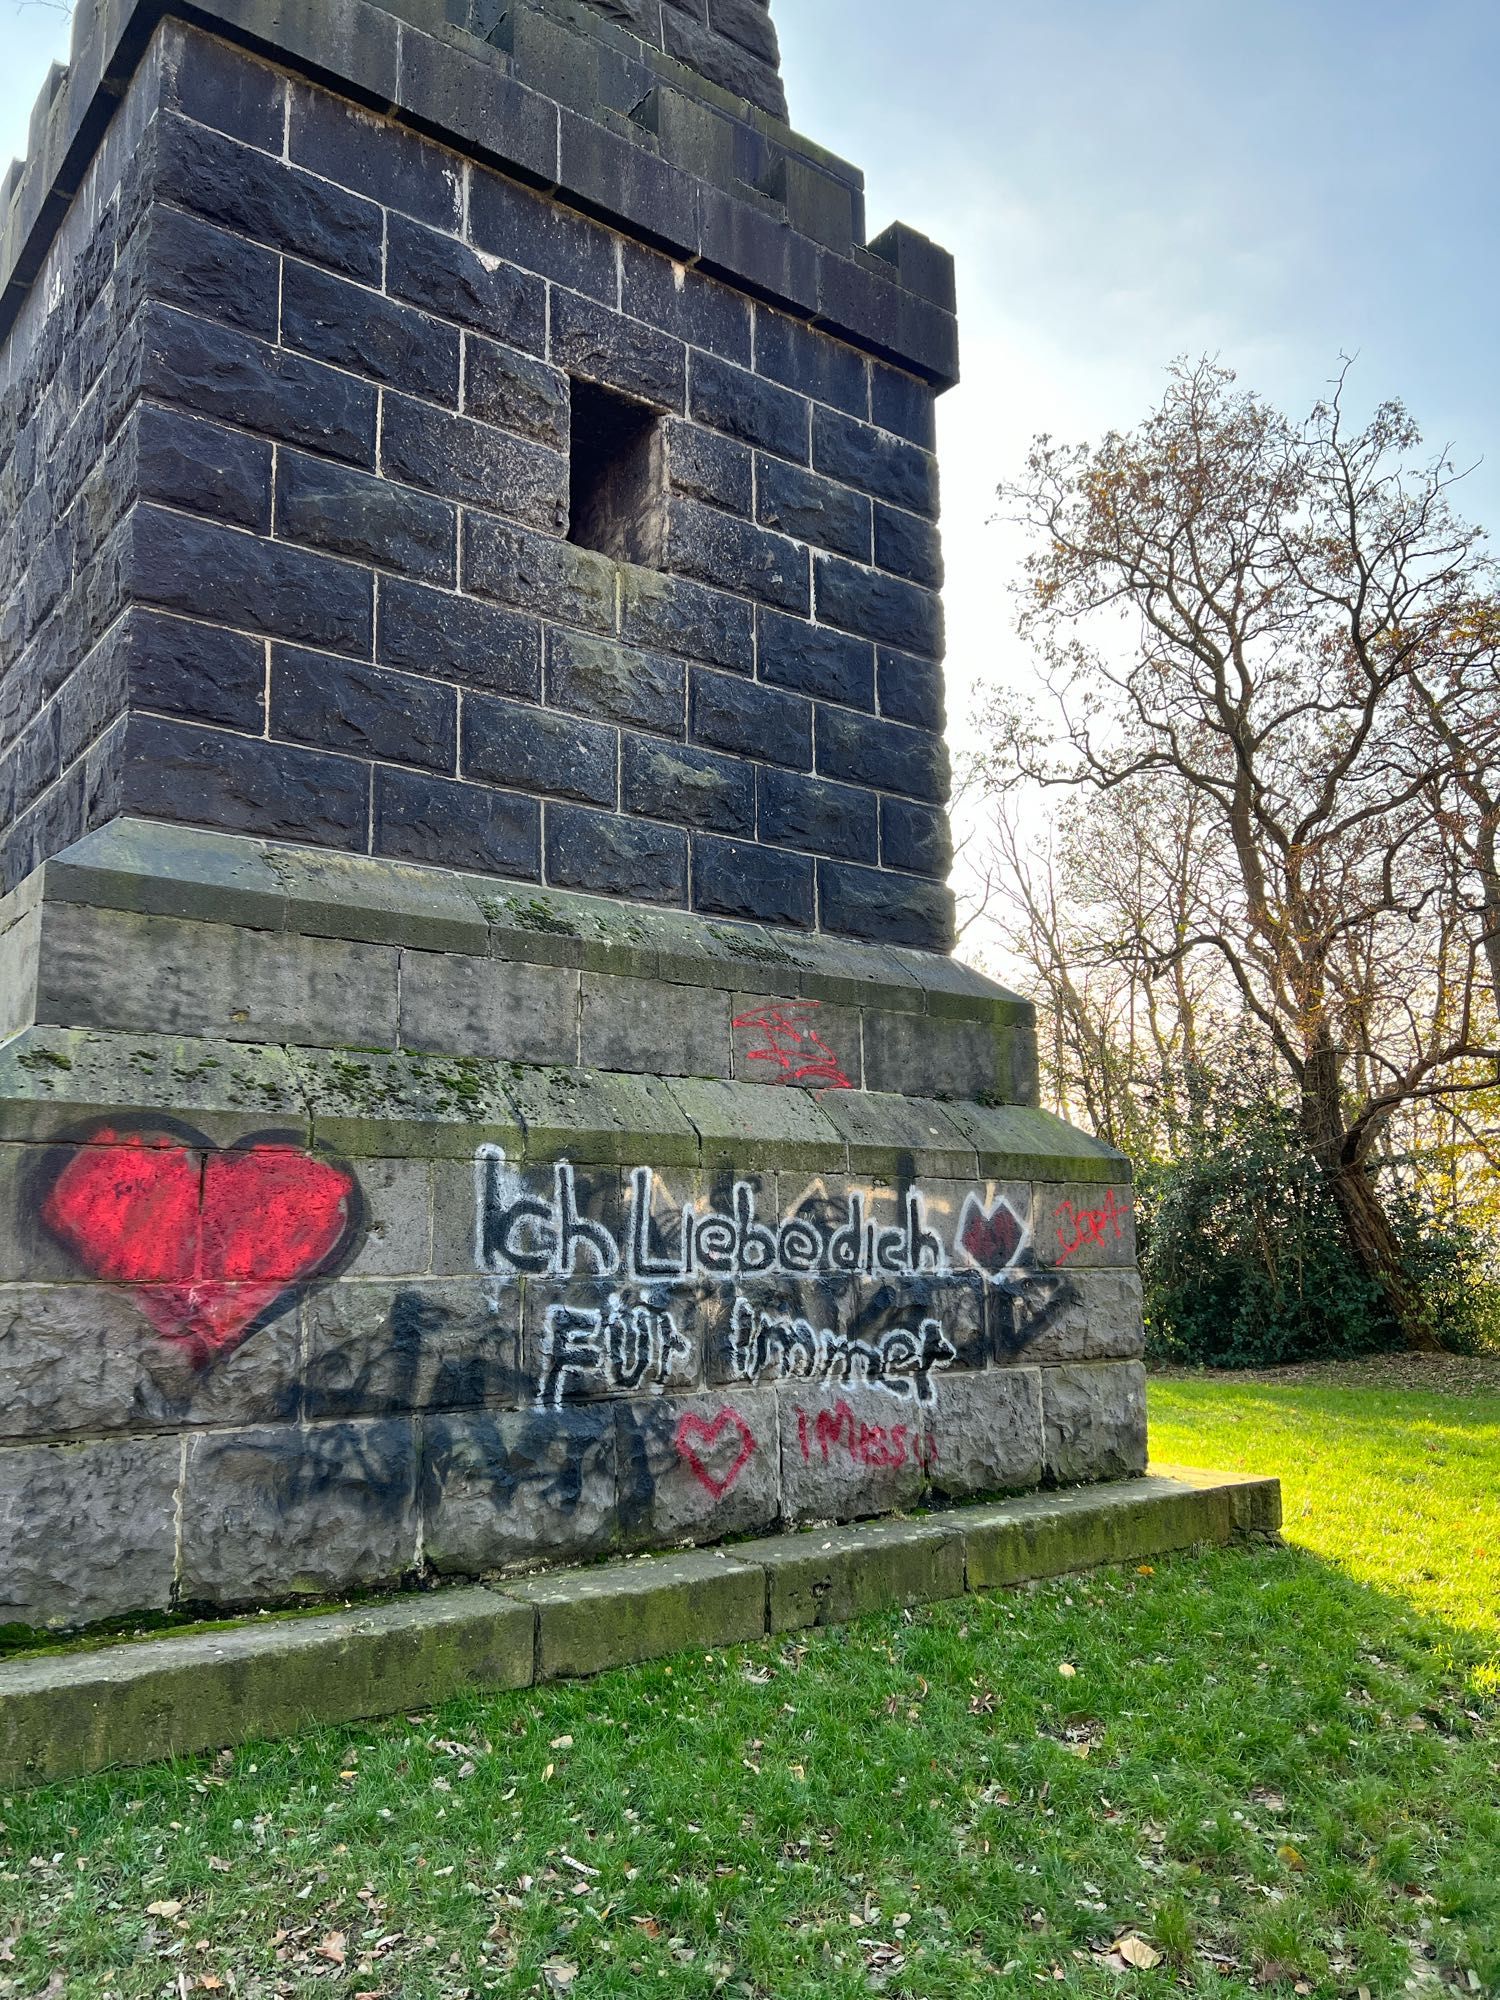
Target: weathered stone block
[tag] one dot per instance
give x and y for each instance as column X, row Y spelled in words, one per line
column 834, row 1574
column 502, row 1489
column 746, row 1127
column 1095, row 1419
column 1076, row 1315
column 485, row 1007
column 986, row 1432
column 847, row 1452
column 371, row 1349
column 928, row 1058
column 594, row 1619
column 1081, row 1224
column 698, row 1468
column 1051, row 1534
column 285, row 1512
column 651, row 1026
column 112, row 1502
column 589, row 1339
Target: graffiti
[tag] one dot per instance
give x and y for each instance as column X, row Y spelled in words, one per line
column 519, row 1233
column 696, row 1437
column 991, row 1238
column 900, row 1361
column 792, row 1047
column 838, row 1433
column 623, row 1346
column 213, row 1242
column 1089, row 1226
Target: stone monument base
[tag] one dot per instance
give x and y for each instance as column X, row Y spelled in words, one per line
column 364, row 1222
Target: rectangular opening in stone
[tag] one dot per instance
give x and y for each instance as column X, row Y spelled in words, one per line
column 617, row 501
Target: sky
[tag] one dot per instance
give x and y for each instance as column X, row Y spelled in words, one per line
column 1275, row 182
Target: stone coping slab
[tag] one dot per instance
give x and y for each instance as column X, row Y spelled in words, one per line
column 153, row 868
column 376, row 1103
column 64, row 1714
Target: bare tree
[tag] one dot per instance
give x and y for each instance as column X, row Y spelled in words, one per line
column 1284, row 637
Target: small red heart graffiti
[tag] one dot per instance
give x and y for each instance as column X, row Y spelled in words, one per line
column 991, row 1238
column 693, row 1426
column 209, row 1240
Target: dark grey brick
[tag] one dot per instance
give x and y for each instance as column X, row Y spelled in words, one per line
column 677, row 616
column 468, row 461
column 723, row 62
column 709, row 467
column 447, row 825
column 615, row 856
column 458, row 639
column 518, row 394
column 824, row 818
column 732, row 400
column 753, row 721
column 217, row 85
column 884, row 755
column 812, row 508
column 220, row 373
column 716, row 548
column 188, row 462
column 368, row 519
column 444, row 276
column 199, row 671
column 476, row 99
column 884, row 908
column 329, row 318
column 204, row 571
column 901, row 403
column 735, row 879
column 213, row 273
column 537, row 573
column 692, row 787
column 885, row 466
column 813, row 363
column 374, row 157
column 684, row 303
column 262, row 198
column 747, row 22
column 624, row 354
column 615, row 683
column 878, row 606
column 535, row 751
column 243, row 784
column 603, row 169
column 911, row 690
column 909, row 546
column 334, row 704
column 816, row 660
column 752, row 246
column 509, row 221
column 915, row 837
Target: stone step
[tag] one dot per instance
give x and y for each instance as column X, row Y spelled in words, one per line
column 68, row 1713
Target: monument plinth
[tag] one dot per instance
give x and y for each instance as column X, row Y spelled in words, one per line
column 482, row 1080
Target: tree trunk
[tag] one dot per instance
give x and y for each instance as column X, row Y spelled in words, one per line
column 1366, row 1224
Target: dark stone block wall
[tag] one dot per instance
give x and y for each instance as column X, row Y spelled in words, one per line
column 286, row 502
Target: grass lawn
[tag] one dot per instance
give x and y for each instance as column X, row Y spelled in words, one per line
column 1275, row 1768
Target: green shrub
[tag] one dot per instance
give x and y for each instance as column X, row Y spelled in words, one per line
column 1243, row 1254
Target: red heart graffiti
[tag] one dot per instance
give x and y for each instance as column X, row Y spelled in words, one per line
column 209, row 1240
column 692, row 1426
column 991, row 1238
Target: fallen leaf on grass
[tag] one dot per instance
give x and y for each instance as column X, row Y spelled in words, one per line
column 332, row 1948
column 1291, row 1857
column 559, row 1976
column 1135, row 1951
column 1068, row 1670
column 167, row 1909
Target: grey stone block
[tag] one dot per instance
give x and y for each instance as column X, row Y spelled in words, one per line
column 1095, row 1417
column 501, row 1490
column 698, row 1468
column 889, row 1137
column 1081, row 1224
column 89, row 1531
column 1054, row 1533
column 649, row 1026
column 373, row 1349
column 160, row 870
column 1078, row 1316
column 835, row 1574
column 1020, row 1142
column 431, row 1107
column 376, row 902
column 488, row 1007
column 801, row 1044
column 744, row 1125
column 594, row 1619
column 986, row 1433
column 106, row 969
column 397, row 1240
column 847, row 1452
column 284, row 1512
column 592, row 1339
column 932, row 1058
